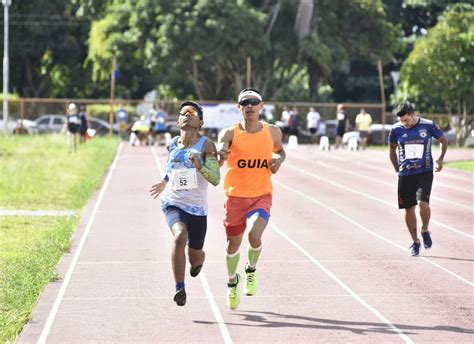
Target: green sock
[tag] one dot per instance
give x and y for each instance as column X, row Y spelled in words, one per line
column 253, row 254
column 232, row 262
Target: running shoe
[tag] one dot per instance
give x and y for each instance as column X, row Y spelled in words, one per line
column 195, row 270
column 233, row 297
column 415, row 249
column 427, row 240
column 180, row 297
column 251, row 281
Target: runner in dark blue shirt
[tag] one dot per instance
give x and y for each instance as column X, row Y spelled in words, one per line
column 414, row 164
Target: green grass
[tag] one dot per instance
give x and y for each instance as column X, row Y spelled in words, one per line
column 37, row 172
column 466, row 165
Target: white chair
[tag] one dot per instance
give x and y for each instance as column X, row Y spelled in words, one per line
column 292, row 142
column 353, row 143
column 324, row 143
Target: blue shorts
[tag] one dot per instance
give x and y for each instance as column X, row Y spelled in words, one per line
column 195, row 225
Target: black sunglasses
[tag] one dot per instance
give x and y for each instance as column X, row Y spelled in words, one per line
column 251, row 101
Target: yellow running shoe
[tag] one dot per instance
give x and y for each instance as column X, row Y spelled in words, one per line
column 233, row 297
column 251, row 281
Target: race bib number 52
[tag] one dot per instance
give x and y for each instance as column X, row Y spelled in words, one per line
column 184, row 179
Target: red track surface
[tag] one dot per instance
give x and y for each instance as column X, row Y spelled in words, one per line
column 334, row 268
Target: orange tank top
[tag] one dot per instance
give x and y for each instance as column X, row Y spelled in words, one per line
column 248, row 163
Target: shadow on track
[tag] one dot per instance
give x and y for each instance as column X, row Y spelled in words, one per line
column 450, row 258
column 276, row 320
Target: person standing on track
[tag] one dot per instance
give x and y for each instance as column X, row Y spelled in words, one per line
column 414, row 165
column 253, row 150
column 192, row 163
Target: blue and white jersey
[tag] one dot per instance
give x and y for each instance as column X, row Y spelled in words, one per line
column 414, row 146
column 186, row 188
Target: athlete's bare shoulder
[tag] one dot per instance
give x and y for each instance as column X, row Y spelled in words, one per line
column 276, row 132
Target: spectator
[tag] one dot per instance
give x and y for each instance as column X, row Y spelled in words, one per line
column 312, row 118
column 294, row 122
column 270, row 117
column 363, row 122
column 160, row 127
column 139, row 132
column 72, row 127
column 84, row 125
column 122, row 119
column 285, row 117
column 341, row 124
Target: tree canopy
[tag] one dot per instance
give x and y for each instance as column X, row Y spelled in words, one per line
column 300, row 50
column 439, row 71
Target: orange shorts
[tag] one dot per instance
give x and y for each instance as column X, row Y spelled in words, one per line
column 239, row 209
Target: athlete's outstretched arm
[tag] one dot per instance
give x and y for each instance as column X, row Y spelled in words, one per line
column 224, row 141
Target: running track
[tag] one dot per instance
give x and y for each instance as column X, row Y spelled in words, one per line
column 334, row 268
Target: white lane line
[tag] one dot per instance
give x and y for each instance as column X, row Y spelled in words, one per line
column 157, row 162
column 286, row 261
column 338, row 213
column 57, row 302
column 387, row 171
column 217, row 314
column 373, row 198
column 19, row 212
column 220, row 320
column 459, row 205
column 267, row 296
column 344, row 286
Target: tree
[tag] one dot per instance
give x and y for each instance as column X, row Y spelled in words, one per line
column 48, row 45
column 189, row 48
column 328, row 33
column 438, row 74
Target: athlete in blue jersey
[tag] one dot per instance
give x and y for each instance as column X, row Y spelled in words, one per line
column 414, row 164
column 192, row 163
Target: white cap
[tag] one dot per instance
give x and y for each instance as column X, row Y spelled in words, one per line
column 249, row 94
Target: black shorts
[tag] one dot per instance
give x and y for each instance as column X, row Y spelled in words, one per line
column 195, row 225
column 414, row 188
column 312, row 130
column 72, row 128
column 340, row 131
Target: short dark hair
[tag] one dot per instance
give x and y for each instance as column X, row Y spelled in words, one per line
column 405, row 108
column 251, row 89
column 194, row 105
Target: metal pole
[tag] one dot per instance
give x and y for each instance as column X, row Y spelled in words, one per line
column 249, row 71
column 112, row 94
column 382, row 96
column 6, row 3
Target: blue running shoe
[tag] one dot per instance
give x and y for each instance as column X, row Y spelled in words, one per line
column 427, row 240
column 415, row 249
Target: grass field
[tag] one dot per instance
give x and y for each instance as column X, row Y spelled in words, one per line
column 466, row 165
column 38, row 173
